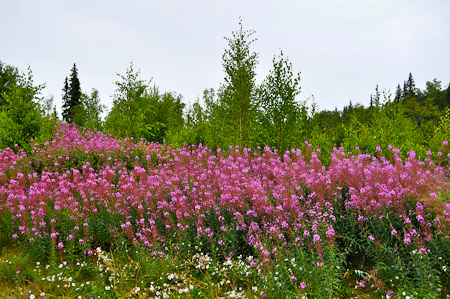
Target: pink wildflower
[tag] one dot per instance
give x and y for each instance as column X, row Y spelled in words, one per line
column 316, row 238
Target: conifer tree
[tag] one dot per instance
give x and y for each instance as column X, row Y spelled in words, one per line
column 344, row 111
column 405, row 90
column 75, row 90
column 398, row 94
column 72, row 97
column 66, row 101
column 410, row 86
column 377, row 97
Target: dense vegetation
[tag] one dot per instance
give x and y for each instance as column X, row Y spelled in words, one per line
column 248, row 192
column 240, row 112
column 200, row 223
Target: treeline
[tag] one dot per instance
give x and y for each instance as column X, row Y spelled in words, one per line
column 240, row 112
column 413, row 119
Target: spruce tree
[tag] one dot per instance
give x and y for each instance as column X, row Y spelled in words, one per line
column 398, row 94
column 405, row 90
column 377, row 97
column 66, row 101
column 72, row 96
column 75, row 90
column 410, row 86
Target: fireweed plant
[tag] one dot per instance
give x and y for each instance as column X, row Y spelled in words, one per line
column 251, row 223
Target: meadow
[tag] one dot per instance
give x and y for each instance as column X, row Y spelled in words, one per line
column 85, row 215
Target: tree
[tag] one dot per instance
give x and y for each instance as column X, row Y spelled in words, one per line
column 194, row 128
column 21, row 114
column 142, row 111
column 377, row 97
column 434, row 90
column 398, row 94
column 169, row 115
column 280, row 110
column 66, row 101
column 92, row 110
column 133, row 108
column 49, row 108
column 405, row 90
column 388, row 125
column 441, row 131
column 448, row 95
column 75, row 89
column 9, row 76
column 72, row 107
column 216, row 117
column 410, row 87
column 238, row 93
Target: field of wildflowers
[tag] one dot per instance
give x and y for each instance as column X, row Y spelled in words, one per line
column 88, row 215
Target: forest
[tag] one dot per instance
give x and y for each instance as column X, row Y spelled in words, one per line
column 240, row 112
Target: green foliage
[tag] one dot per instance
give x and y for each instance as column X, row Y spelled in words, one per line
column 216, row 133
column 441, row 132
column 14, row 268
column 410, row 122
column 388, row 126
column 280, row 112
column 21, row 115
column 169, row 113
column 10, row 131
column 242, row 113
column 9, row 77
column 88, row 114
column 133, row 108
column 194, row 130
column 141, row 111
column 237, row 96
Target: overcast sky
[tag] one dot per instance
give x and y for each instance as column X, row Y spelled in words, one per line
column 343, row 49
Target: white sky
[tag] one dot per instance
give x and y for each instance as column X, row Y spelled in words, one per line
column 342, row 48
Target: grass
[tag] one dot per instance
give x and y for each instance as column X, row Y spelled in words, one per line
column 127, row 272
